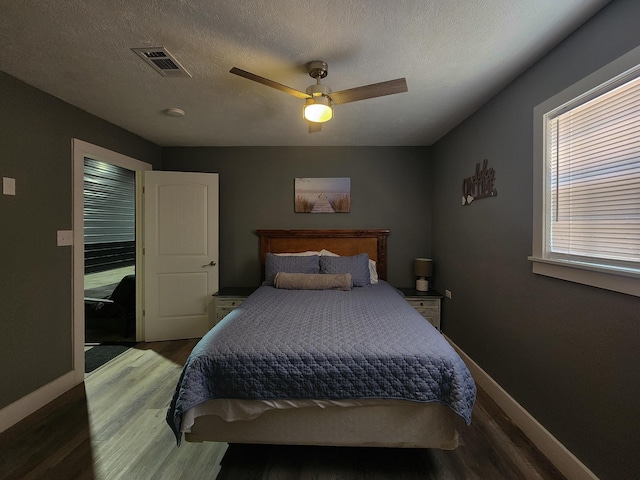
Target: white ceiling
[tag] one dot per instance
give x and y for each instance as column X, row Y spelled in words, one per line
column 455, row 55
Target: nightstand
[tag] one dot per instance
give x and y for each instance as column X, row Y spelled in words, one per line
column 227, row 299
column 426, row 303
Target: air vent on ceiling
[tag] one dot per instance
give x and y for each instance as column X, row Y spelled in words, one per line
column 162, row 61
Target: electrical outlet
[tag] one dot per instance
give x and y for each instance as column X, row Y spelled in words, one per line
column 65, row 238
column 447, row 293
column 8, row 186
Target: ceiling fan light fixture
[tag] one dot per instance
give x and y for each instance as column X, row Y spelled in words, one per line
column 319, row 100
column 318, row 109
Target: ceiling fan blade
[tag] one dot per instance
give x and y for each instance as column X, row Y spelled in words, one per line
column 314, row 127
column 269, row 83
column 399, row 85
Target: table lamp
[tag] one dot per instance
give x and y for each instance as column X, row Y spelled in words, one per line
column 422, row 268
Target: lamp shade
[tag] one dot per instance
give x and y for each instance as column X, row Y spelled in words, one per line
column 318, row 109
column 423, row 267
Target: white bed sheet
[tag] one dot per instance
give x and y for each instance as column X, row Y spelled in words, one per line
column 231, row 410
column 374, row 423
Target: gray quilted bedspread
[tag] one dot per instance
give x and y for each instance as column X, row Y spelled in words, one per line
column 326, row 344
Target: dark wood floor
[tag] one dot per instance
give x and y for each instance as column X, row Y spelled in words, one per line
column 113, row 427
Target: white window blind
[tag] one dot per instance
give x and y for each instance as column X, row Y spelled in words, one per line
column 593, row 165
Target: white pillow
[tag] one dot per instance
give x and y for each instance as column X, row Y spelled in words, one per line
column 373, row 272
column 300, row 254
column 327, row 253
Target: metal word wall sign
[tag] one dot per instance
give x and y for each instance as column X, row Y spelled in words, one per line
column 480, row 185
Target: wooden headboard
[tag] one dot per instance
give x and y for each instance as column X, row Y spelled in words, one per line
column 342, row 242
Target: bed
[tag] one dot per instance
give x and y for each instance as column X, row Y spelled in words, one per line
column 323, row 365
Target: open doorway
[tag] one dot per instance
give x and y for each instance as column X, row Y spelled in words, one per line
column 109, row 254
column 81, row 151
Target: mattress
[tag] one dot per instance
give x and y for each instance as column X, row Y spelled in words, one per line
column 372, row 423
column 367, row 343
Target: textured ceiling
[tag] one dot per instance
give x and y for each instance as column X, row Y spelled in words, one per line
column 455, row 55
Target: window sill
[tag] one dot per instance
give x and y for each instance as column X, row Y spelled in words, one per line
column 610, row 279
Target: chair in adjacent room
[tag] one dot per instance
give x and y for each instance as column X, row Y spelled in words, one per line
column 116, row 311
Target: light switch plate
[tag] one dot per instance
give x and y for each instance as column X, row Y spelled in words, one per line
column 65, row 238
column 8, row 186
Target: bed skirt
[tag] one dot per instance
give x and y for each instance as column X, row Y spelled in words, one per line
column 405, row 425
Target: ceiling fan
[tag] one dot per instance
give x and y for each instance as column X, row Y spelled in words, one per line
column 319, row 98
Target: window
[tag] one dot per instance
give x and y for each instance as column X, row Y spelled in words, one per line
column 593, row 165
column 587, row 182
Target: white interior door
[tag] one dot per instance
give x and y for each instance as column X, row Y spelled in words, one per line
column 180, row 254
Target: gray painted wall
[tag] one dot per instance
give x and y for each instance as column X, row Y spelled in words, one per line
column 568, row 353
column 390, row 188
column 35, row 274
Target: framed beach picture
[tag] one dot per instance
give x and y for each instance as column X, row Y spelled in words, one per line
column 322, row 195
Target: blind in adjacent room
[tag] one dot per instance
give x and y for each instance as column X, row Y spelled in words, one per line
column 593, row 200
column 109, row 203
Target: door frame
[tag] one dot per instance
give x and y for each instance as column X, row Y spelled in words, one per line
column 81, row 149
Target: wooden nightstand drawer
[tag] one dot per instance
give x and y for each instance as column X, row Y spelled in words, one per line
column 427, row 311
column 228, row 299
column 420, row 304
column 228, row 303
column 222, row 312
column 426, row 304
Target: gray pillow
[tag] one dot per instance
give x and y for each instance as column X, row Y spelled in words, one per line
column 312, row 281
column 356, row 265
column 289, row 264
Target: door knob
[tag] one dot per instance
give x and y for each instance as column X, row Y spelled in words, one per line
column 210, row 264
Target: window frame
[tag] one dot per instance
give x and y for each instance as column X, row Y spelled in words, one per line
column 602, row 276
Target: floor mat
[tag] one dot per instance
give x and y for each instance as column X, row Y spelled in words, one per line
column 100, row 354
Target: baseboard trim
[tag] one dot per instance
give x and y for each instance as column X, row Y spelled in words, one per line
column 20, row 409
column 568, row 464
column 556, row 452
